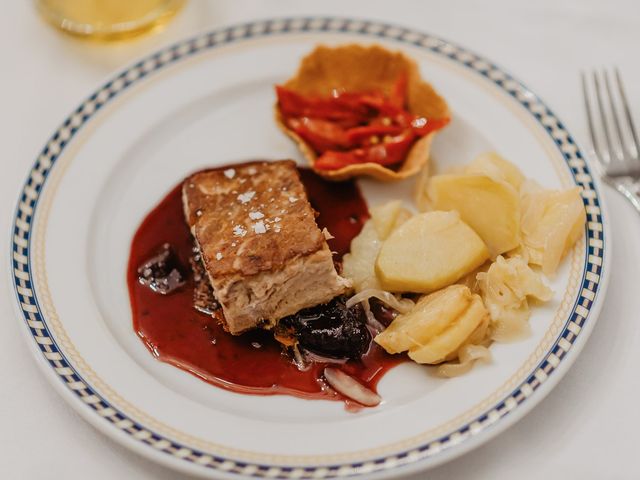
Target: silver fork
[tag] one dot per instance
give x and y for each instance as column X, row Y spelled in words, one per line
column 613, row 134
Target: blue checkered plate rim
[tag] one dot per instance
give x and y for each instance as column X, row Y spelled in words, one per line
column 143, row 438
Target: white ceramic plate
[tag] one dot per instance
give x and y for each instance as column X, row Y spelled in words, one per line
column 205, row 102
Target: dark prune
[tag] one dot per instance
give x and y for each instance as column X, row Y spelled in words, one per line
column 163, row 273
column 330, row 330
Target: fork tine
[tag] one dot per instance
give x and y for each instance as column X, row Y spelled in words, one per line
column 614, row 113
column 627, row 111
column 587, row 107
column 603, row 116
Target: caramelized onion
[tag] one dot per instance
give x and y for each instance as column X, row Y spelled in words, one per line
column 512, row 327
column 350, row 387
column 505, row 288
column 372, row 321
column 314, row 357
column 298, row 360
column 402, row 305
column 467, row 356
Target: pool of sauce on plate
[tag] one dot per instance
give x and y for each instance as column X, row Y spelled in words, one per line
column 252, row 363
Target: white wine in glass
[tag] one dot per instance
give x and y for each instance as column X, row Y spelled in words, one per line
column 108, row 19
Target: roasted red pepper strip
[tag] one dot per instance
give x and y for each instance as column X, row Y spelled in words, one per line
column 389, row 152
column 392, row 105
column 333, row 160
column 392, row 150
column 423, row 126
column 342, row 109
column 348, row 128
column 322, row 135
column 356, row 135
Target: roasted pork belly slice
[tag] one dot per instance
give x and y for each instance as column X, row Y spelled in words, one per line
column 262, row 250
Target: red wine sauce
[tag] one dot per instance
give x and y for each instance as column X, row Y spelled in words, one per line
column 252, row 363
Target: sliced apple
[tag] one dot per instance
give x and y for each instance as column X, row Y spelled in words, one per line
column 497, row 167
column 491, row 207
column 438, row 326
column 444, row 345
column 358, row 264
column 553, row 221
column 431, row 315
column 430, row 251
column 388, row 216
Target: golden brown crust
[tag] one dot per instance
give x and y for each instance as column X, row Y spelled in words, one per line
column 358, row 68
column 262, row 250
column 250, row 218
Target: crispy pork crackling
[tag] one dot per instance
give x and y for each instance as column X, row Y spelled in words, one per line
column 264, row 254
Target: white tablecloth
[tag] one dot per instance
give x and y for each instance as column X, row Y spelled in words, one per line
column 586, row 428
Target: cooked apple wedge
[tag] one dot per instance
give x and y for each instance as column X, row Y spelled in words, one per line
column 552, row 222
column 429, row 251
column 431, row 315
column 491, row 207
column 497, row 167
column 444, row 345
column 437, row 326
column 388, row 216
column 358, row 265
